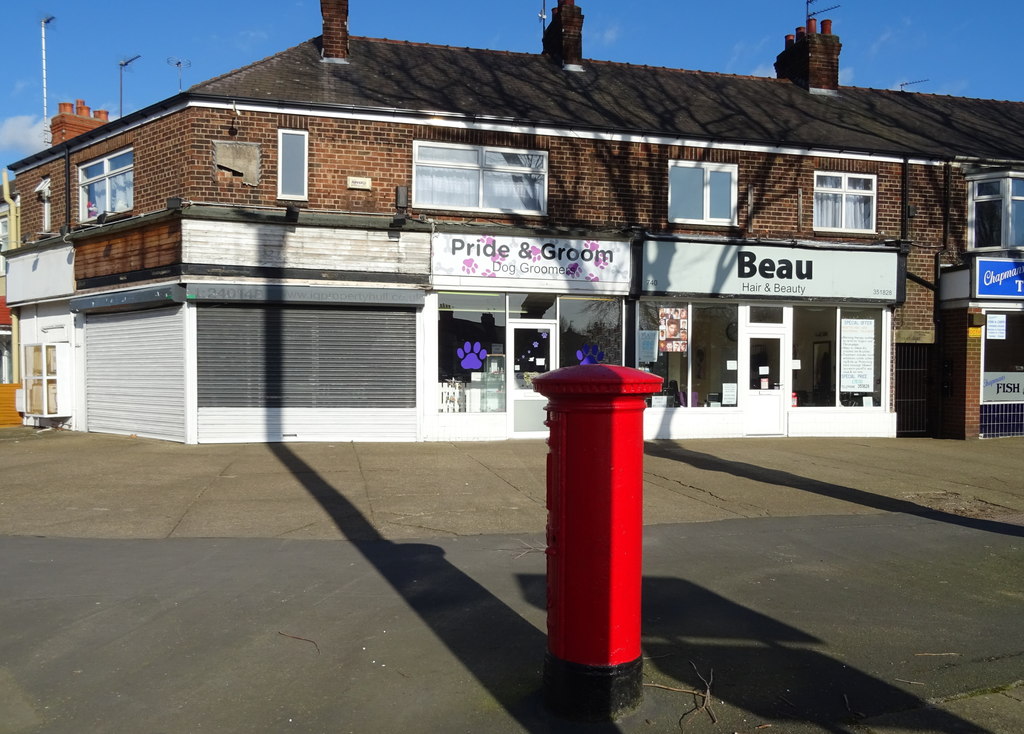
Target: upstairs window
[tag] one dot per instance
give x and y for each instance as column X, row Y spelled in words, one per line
column 997, row 212
column 106, row 185
column 702, row 193
column 844, row 202
column 43, row 192
column 292, row 164
column 480, row 178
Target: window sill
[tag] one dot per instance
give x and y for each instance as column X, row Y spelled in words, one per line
column 858, row 233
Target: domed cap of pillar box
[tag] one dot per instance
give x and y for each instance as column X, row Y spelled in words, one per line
column 597, row 379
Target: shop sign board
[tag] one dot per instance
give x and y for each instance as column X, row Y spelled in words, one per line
column 770, row 271
column 998, row 278
column 1002, row 387
column 530, row 263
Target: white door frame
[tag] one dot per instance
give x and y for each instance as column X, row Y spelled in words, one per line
column 763, row 396
column 523, row 399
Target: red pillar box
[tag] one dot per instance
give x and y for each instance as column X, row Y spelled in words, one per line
column 593, row 668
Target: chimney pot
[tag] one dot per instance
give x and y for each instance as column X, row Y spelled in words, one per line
column 826, row 27
column 812, row 25
column 801, row 33
column 65, row 108
column 101, row 115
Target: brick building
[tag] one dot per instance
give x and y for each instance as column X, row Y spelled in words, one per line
column 364, row 239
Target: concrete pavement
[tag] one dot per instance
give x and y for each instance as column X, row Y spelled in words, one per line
column 819, row 585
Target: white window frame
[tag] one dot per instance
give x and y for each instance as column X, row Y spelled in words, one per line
column 4, row 236
column 481, row 167
column 708, row 168
column 43, row 192
column 108, row 174
column 292, row 195
column 1006, row 198
column 845, row 191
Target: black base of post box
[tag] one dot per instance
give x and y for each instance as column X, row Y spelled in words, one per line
column 592, row 692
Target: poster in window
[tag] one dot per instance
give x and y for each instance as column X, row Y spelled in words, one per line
column 857, row 356
column 672, row 330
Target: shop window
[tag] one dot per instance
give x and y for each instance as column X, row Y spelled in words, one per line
column 814, row 349
column 766, row 314
column 471, row 353
column 531, row 305
column 5, row 357
column 997, row 212
column 702, row 193
column 47, row 379
column 107, row 185
column 860, row 358
column 1003, row 373
column 844, row 201
column 590, row 330
column 480, row 178
column 292, row 164
column 693, row 348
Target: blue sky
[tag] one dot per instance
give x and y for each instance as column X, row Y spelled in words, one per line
column 958, row 50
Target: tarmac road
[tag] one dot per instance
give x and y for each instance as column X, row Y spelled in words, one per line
column 820, row 585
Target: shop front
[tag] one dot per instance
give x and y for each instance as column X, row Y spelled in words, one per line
column 507, row 309
column 983, row 317
column 768, row 340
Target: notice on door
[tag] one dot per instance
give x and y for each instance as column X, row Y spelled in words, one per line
column 857, row 356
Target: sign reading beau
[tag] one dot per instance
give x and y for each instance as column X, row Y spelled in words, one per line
column 520, row 263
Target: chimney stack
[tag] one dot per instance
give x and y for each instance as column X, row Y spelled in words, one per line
column 334, row 44
column 563, row 39
column 72, row 120
column 811, row 59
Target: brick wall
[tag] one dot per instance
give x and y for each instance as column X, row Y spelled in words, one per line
column 961, row 398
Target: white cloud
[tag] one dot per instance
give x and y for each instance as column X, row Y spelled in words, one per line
column 22, row 133
column 764, row 70
column 610, row 35
column 846, row 76
column 880, row 43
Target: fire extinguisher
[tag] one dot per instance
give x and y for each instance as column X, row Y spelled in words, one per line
column 794, row 400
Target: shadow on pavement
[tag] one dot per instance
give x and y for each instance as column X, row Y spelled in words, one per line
column 755, row 663
column 708, row 462
column 497, row 646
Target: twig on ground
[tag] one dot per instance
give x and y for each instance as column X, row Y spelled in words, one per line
column 311, row 642
column 858, row 714
column 911, row 682
column 934, row 654
column 527, row 549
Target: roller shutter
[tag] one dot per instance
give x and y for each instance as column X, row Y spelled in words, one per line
column 299, row 357
column 135, row 373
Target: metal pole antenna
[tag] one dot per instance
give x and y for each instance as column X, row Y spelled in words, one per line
column 120, row 82
column 47, row 135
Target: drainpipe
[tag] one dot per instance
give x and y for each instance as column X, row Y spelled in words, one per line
column 13, row 239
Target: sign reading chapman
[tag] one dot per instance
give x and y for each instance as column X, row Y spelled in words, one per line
column 770, row 271
column 518, row 263
column 998, row 278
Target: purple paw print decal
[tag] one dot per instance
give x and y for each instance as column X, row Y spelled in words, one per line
column 472, row 356
column 535, row 253
column 574, row 270
column 590, row 354
column 469, row 265
column 592, row 277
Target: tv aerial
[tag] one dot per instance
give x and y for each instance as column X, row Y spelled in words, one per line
column 181, row 64
column 814, row 13
column 904, row 85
